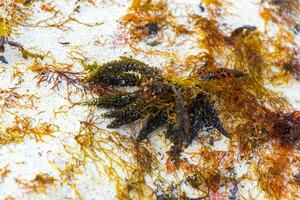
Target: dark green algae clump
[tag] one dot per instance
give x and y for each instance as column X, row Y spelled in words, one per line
column 182, row 105
column 211, row 98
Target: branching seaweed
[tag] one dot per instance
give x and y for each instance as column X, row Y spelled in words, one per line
column 98, row 147
column 58, row 75
column 22, row 128
column 39, row 184
column 188, row 105
column 10, row 98
column 161, row 101
column 148, row 21
column 223, row 94
column 4, row 171
column 282, row 12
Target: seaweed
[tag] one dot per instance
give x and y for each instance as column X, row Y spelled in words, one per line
column 10, row 98
column 145, row 18
column 222, row 93
column 148, row 21
column 273, row 162
column 39, row 184
column 4, row 171
column 202, row 107
column 23, row 128
column 215, row 8
column 283, row 12
column 153, row 123
column 161, row 101
column 58, row 75
column 98, row 146
column 117, row 100
column 12, row 14
column 210, row 98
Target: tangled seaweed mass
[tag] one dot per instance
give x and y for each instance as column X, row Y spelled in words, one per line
column 182, row 109
column 203, row 106
column 183, row 105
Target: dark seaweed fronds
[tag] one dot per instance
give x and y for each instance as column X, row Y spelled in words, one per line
column 202, row 107
column 124, row 115
column 120, row 69
column 119, row 99
column 160, row 102
column 153, row 123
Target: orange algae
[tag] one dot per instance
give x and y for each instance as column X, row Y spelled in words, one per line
column 101, row 148
column 143, row 13
column 56, row 74
column 148, row 21
column 273, row 170
column 9, row 198
column 282, row 12
column 23, row 128
column 249, row 50
column 255, row 116
column 215, row 8
column 10, row 98
column 39, row 184
column 13, row 13
column 127, row 172
column 4, row 171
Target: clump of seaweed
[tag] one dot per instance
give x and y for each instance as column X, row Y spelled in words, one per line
column 149, row 19
column 215, row 178
column 187, row 105
column 273, row 170
column 268, row 59
column 282, row 12
column 210, row 37
column 12, row 14
column 4, row 171
column 215, row 8
column 57, row 75
column 227, row 95
column 99, row 147
column 182, row 105
column 145, row 19
column 22, row 128
column 10, row 98
column 39, row 184
column 224, row 93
